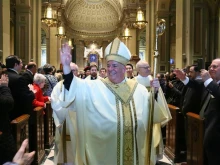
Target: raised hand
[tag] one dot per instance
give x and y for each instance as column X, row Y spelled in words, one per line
column 180, row 74
column 65, row 54
column 205, row 74
column 65, row 58
column 4, row 80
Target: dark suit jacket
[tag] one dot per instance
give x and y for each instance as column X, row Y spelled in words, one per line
column 212, row 123
column 28, row 76
column 22, row 96
column 6, row 105
column 193, row 97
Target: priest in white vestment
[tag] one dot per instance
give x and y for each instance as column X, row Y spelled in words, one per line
column 144, row 77
column 110, row 123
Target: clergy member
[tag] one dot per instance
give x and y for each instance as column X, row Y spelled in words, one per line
column 111, row 121
column 144, row 77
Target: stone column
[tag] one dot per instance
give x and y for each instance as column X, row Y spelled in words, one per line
column 4, row 30
column 36, row 32
column 54, row 45
column 179, row 34
column 131, row 44
column 150, row 31
column 23, row 33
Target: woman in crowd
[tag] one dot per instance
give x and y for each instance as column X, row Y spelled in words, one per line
column 51, row 80
column 39, row 82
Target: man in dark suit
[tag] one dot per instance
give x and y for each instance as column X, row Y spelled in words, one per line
column 22, row 96
column 211, row 79
column 29, row 73
column 193, row 96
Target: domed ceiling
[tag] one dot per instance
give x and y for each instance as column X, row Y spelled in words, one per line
column 92, row 19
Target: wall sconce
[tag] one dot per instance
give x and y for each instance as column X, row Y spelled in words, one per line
column 140, row 19
column 49, row 18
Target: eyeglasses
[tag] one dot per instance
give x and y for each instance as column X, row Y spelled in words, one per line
column 145, row 67
column 213, row 67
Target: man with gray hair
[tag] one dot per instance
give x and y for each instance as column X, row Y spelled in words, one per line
column 74, row 68
column 144, row 77
column 111, row 114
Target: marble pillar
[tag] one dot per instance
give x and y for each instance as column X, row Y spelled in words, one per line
column 4, row 30
column 54, row 45
column 179, row 34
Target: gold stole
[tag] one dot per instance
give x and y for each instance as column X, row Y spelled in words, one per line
column 124, row 94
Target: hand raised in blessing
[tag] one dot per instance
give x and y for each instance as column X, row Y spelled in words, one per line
column 65, row 55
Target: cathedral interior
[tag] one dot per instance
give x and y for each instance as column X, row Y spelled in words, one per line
column 35, row 30
column 177, row 33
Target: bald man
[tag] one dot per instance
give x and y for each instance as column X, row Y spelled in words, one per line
column 144, row 77
column 29, row 73
column 74, row 68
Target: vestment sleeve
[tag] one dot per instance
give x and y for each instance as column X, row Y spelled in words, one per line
column 67, row 80
column 61, row 103
column 161, row 111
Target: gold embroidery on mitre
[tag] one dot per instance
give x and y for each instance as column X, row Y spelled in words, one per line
column 123, row 91
column 115, row 46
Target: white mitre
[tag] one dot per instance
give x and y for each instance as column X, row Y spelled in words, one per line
column 117, row 51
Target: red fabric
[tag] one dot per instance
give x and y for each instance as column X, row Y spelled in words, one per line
column 39, row 98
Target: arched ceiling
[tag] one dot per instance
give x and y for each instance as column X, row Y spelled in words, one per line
column 92, row 18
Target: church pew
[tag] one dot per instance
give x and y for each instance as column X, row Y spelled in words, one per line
column 175, row 147
column 195, row 137
column 36, row 141
column 20, row 129
column 48, row 126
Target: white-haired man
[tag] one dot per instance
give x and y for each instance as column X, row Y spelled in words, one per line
column 144, row 77
column 74, row 68
column 111, row 114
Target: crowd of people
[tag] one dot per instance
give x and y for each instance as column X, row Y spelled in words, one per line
column 107, row 118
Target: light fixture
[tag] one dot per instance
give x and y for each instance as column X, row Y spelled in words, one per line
column 140, row 20
column 93, row 46
column 49, row 18
column 61, row 32
column 70, row 43
column 126, row 35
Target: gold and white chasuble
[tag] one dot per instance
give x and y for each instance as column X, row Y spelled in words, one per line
column 110, row 123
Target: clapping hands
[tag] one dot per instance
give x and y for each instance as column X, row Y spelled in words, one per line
column 4, row 80
column 31, row 88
